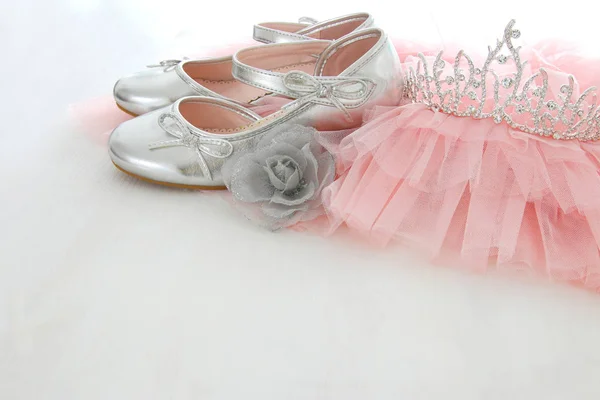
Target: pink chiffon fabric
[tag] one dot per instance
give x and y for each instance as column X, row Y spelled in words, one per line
column 472, row 192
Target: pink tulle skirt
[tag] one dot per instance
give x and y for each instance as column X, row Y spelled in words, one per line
column 471, row 192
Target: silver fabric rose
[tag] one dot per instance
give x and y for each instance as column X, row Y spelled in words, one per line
column 280, row 182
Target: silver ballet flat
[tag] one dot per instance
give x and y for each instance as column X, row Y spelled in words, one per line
column 180, row 145
column 161, row 84
column 187, row 143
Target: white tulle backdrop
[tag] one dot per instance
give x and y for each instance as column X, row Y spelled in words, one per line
column 115, row 289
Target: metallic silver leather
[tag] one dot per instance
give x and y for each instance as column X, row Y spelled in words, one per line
column 266, row 33
column 379, row 69
column 158, row 86
column 161, row 85
column 130, row 144
column 366, row 21
column 133, row 146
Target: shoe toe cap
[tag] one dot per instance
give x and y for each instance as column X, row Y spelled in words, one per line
column 133, row 96
column 130, row 151
column 151, row 89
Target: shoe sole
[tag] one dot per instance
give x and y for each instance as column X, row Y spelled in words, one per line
column 125, row 111
column 169, row 184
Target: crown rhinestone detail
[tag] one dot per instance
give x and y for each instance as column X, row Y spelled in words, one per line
column 526, row 104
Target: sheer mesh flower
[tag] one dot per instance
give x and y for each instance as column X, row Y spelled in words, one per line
column 280, row 182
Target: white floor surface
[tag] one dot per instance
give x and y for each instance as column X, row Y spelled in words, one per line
column 115, row 289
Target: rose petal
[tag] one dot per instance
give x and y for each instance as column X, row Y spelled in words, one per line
column 313, row 210
column 249, row 182
column 284, row 172
column 279, row 211
column 297, row 138
column 326, row 170
column 295, row 135
column 305, row 194
column 275, row 180
column 229, row 166
column 279, row 150
column 293, row 181
column 312, row 166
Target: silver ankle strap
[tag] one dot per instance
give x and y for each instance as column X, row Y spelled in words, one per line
column 367, row 22
column 342, row 92
column 294, row 32
column 265, row 33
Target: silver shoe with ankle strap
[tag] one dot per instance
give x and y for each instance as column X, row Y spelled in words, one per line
column 163, row 83
column 187, row 143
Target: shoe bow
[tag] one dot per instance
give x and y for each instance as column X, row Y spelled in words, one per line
column 174, row 126
column 311, row 89
column 167, row 64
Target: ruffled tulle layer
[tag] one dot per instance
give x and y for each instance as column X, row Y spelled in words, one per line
column 473, row 191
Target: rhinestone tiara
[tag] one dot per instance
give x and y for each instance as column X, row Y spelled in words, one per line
column 526, row 104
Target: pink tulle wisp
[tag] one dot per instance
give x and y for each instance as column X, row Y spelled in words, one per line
column 473, row 192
